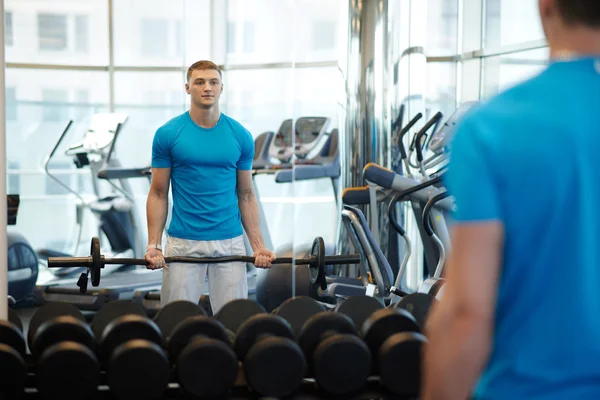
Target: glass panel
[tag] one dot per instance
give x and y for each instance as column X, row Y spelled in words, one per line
column 148, row 32
column 442, row 23
column 199, row 41
column 470, row 76
column 471, row 25
column 511, row 21
column 292, row 30
column 57, row 32
column 39, row 102
column 8, row 29
column 441, row 88
column 504, row 71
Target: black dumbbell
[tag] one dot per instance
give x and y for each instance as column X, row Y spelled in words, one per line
column 418, row 304
column 297, row 310
column 395, row 340
column 200, row 348
column 131, row 349
column 274, row 364
column 340, row 360
column 63, row 348
column 13, row 369
column 233, row 314
column 359, row 308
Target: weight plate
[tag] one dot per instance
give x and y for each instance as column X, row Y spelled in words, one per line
column 325, row 322
column 96, row 261
column 183, row 333
column 317, row 270
column 386, row 322
column 359, row 308
column 15, row 319
column 11, row 336
column 418, row 304
column 175, row 312
column 67, row 370
column 233, row 314
column 256, row 326
column 59, row 329
column 298, row 310
column 112, row 310
column 49, row 311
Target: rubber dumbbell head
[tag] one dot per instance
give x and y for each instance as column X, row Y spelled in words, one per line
column 63, row 347
column 340, row 361
column 274, row 364
column 297, row 310
column 206, row 365
column 173, row 313
column 233, row 314
column 136, row 363
column 12, row 360
column 359, row 308
column 395, row 340
column 418, row 305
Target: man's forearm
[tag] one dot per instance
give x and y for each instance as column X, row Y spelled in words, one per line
column 251, row 218
column 156, row 215
column 455, row 356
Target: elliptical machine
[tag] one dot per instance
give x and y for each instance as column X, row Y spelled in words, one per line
column 114, row 213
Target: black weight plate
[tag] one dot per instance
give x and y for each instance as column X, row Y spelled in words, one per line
column 386, row 322
column 256, row 326
column 67, row 370
column 96, row 261
column 59, row 329
column 112, row 310
column 175, row 312
column 207, row 368
column 15, row 319
column 49, row 311
column 359, row 308
column 13, row 371
column 126, row 328
column 298, row 310
column 11, row 336
column 317, row 271
column 275, row 366
column 320, row 324
column 418, row 304
column 341, row 364
column 185, row 331
column 400, row 363
column 149, row 376
column 234, row 313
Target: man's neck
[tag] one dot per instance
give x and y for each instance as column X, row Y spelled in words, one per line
column 205, row 117
column 577, row 43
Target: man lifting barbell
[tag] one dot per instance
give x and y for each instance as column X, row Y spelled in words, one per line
column 207, row 158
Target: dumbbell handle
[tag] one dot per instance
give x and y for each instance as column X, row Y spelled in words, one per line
column 66, row 262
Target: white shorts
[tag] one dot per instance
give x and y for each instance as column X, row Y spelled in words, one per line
column 226, row 281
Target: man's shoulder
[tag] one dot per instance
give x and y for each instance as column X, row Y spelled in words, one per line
column 235, row 125
column 173, row 125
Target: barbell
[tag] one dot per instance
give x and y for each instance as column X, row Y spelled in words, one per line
column 316, row 261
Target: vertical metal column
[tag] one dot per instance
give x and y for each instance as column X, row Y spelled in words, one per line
column 3, row 208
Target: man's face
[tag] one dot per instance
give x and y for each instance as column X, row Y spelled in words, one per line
column 205, row 87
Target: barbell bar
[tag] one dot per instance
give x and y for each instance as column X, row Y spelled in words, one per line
column 316, row 262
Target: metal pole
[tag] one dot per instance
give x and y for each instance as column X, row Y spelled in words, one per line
column 3, row 240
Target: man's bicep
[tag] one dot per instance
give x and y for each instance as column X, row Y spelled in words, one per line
column 474, row 267
column 244, row 180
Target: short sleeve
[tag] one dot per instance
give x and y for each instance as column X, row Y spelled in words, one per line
column 247, row 154
column 161, row 149
column 471, row 178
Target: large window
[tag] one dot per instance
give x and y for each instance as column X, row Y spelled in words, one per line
column 52, row 32
column 8, row 29
column 509, row 22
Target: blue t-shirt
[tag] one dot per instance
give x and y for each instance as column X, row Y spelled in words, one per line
column 204, row 164
column 529, row 159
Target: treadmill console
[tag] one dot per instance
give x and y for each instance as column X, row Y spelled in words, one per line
column 299, row 138
column 442, row 137
column 100, row 133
